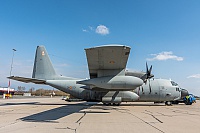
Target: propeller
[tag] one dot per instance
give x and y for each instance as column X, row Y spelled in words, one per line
column 148, row 72
column 148, row 75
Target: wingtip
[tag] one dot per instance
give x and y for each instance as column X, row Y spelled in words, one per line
column 110, row 45
column 10, row 77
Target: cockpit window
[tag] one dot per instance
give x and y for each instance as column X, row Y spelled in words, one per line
column 174, row 83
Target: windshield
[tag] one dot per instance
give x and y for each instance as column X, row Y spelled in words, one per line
column 174, row 83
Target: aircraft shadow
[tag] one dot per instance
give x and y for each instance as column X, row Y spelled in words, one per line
column 57, row 113
column 69, row 108
column 9, row 104
column 132, row 104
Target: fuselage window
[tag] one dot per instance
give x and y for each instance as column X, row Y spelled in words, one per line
column 177, row 89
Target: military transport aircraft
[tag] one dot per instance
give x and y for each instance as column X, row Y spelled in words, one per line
column 109, row 82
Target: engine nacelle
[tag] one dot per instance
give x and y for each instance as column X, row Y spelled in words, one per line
column 125, row 96
column 114, row 83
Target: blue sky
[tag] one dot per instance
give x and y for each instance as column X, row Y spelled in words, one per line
column 165, row 33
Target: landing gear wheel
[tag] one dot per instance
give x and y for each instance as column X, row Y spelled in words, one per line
column 175, row 102
column 107, row 104
column 168, row 103
column 188, row 103
column 116, row 104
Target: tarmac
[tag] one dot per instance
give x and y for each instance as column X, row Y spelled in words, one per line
column 50, row 115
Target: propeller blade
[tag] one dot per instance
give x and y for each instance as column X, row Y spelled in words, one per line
column 149, row 87
column 148, row 71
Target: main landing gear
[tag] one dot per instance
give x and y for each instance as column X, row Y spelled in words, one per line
column 111, row 104
column 168, row 103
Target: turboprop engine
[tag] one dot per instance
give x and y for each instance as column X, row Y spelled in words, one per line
column 120, row 83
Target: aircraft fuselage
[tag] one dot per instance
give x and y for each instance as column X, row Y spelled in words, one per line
column 158, row 90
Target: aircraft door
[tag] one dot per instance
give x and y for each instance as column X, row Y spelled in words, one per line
column 162, row 93
column 154, row 90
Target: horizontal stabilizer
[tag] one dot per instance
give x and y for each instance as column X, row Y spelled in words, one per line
column 27, row 80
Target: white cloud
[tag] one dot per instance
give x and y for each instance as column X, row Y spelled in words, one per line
column 90, row 28
column 84, row 30
column 165, row 56
column 197, row 76
column 102, row 30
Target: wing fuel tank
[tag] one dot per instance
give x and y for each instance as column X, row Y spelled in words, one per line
column 113, row 83
column 111, row 99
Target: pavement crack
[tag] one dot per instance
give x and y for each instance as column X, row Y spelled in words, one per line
column 79, row 123
column 148, row 111
column 181, row 112
column 154, row 117
column 81, row 117
column 142, row 120
column 147, row 123
column 72, row 129
column 164, row 114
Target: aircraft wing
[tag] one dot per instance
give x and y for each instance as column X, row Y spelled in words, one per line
column 27, row 80
column 108, row 60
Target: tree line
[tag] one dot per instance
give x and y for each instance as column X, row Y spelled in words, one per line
column 39, row 92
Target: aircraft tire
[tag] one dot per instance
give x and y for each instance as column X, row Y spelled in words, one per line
column 188, row 103
column 116, row 104
column 107, row 104
column 175, row 102
column 168, row 103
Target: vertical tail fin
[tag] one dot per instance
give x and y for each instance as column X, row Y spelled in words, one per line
column 43, row 68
